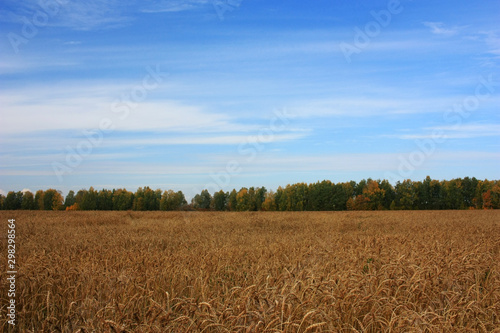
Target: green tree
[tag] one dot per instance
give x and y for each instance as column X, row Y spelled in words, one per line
column 321, row 196
column 260, row 197
column 469, row 186
column 281, row 199
column 219, row 200
column 436, row 195
column 202, row 200
column 13, row 200
column 252, row 202
column 341, row 194
column 122, row 199
column 39, row 200
column 232, row 201
column 158, row 195
column 389, row 193
column 145, row 199
column 359, row 187
column 405, row 195
column 453, row 194
column 88, row 200
column 104, row 200
column 423, row 192
column 70, row 199
column 28, row 201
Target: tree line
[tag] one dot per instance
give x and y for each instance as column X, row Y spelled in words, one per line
column 368, row 194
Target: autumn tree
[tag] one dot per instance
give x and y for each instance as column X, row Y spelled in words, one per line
column 269, row 203
column 122, row 199
column 243, row 200
column 490, row 194
column 368, row 194
column 375, row 196
column 171, row 200
column 53, row 200
column 360, row 202
column 495, row 200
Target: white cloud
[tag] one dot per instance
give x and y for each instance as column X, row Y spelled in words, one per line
column 77, row 108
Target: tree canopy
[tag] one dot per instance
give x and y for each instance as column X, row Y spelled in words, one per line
column 368, row 194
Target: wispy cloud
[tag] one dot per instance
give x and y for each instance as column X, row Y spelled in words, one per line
column 439, row 28
column 216, row 139
column 467, row 131
column 493, row 42
column 163, row 6
column 77, row 15
column 356, row 106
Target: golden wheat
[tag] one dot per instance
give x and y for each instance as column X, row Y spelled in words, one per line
column 394, row 271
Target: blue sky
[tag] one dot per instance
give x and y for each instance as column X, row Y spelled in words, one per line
column 196, row 94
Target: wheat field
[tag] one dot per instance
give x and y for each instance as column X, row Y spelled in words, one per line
column 392, row 271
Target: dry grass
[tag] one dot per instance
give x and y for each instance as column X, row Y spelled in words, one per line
column 394, row 271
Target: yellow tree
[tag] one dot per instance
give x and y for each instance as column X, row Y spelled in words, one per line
column 243, row 200
column 374, row 194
